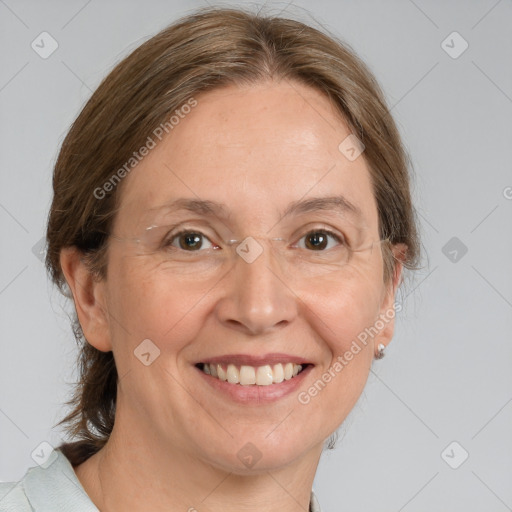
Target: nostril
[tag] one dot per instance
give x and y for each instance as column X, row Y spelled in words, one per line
column 235, row 323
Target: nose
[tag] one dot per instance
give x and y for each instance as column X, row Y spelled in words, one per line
column 256, row 299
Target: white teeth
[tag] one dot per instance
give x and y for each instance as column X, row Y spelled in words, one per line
column 250, row 375
column 247, row 375
column 278, row 373
column 233, row 374
column 264, row 376
column 221, row 374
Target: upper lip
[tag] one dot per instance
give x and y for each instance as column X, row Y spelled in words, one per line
column 259, row 360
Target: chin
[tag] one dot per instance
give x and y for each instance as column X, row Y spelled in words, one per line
column 253, row 454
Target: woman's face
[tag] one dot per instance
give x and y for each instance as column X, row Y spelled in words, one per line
column 232, row 168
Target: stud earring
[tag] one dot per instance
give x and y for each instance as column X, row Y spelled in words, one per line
column 380, row 351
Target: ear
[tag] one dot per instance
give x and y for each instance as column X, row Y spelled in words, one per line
column 89, row 297
column 387, row 310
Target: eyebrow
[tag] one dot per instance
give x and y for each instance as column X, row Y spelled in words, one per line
column 338, row 204
column 201, row 206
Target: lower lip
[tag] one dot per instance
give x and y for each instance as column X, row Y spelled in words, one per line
column 254, row 394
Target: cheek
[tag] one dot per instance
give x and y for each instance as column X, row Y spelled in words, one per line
column 340, row 315
column 148, row 302
column 337, row 317
column 341, row 309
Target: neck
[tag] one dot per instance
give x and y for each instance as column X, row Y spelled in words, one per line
column 134, row 472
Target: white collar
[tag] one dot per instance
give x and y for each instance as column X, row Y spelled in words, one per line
column 56, row 488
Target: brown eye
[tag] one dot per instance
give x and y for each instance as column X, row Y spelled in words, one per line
column 319, row 240
column 190, row 241
column 316, row 241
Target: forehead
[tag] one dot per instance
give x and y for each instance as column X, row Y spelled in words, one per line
column 257, row 149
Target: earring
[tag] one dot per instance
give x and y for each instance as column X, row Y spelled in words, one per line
column 380, row 351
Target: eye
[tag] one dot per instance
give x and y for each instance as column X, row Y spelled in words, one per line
column 190, row 241
column 319, row 240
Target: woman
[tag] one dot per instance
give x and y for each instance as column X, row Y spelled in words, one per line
column 232, row 216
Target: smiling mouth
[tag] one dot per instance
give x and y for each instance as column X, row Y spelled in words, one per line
column 246, row 375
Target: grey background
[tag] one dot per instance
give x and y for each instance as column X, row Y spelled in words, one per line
column 447, row 374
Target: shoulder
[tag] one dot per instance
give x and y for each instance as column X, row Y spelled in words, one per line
column 314, row 506
column 50, row 487
column 13, row 497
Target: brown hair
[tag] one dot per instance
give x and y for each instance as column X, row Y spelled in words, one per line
column 210, row 48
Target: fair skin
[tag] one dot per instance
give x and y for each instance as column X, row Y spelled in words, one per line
column 176, row 437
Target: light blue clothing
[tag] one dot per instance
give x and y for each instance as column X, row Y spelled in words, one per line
column 56, row 488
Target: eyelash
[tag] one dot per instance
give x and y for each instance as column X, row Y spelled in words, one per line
column 168, row 241
column 339, row 239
